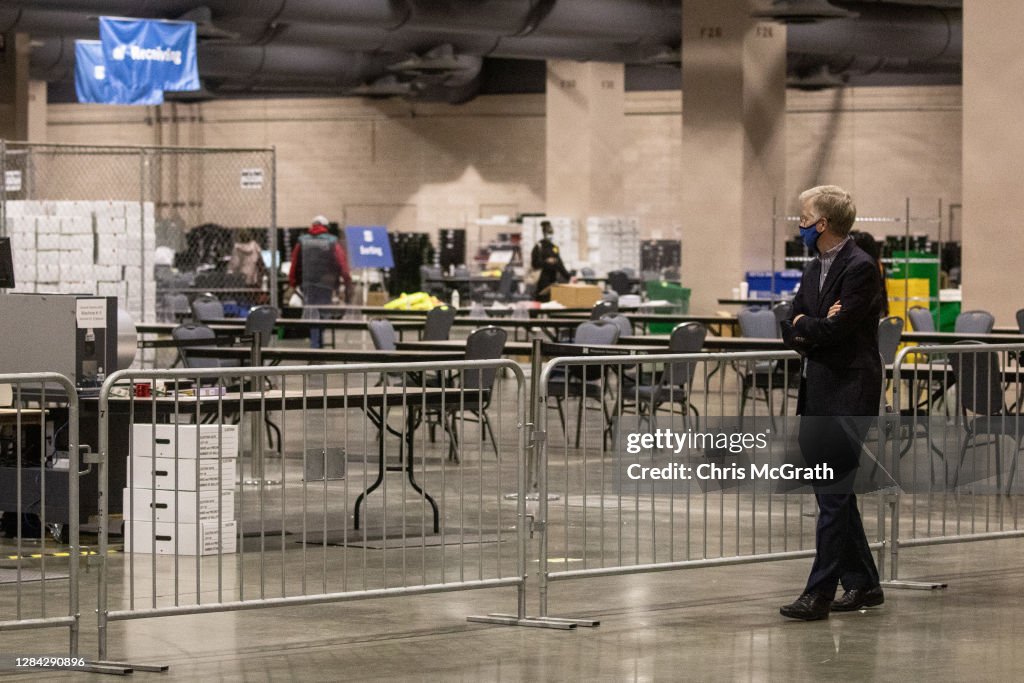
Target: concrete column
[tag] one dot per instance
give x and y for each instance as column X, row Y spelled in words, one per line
column 585, row 127
column 734, row 106
column 14, row 86
column 36, row 114
column 993, row 77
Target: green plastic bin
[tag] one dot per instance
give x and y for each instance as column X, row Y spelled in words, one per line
column 679, row 298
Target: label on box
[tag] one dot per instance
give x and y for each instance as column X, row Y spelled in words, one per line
column 91, row 313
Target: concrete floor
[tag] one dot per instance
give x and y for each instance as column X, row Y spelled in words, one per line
column 694, row 624
column 702, row 624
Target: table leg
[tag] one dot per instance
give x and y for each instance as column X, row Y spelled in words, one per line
column 382, row 467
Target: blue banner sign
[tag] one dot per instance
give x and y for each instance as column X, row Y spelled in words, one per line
column 368, row 247
column 150, row 53
column 93, row 86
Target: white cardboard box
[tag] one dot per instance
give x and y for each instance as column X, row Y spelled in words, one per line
column 50, row 224
column 147, row 505
column 76, row 224
column 145, row 537
column 147, row 472
column 215, row 441
column 49, row 241
column 48, row 258
column 46, row 272
column 110, row 226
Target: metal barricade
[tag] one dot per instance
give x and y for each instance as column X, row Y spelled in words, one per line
column 318, row 516
column 955, row 445
column 595, row 523
column 39, row 498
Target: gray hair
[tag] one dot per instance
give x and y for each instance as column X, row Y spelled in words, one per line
column 833, row 203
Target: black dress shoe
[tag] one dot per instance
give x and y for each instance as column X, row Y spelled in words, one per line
column 859, row 598
column 808, row 607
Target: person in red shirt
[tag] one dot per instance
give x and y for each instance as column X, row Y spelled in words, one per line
column 319, row 265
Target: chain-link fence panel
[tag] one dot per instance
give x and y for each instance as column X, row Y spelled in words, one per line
column 154, row 226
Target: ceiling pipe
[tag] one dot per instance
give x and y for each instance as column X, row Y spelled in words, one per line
column 339, row 42
column 902, row 31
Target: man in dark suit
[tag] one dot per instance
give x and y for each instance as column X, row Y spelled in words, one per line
column 835, row 329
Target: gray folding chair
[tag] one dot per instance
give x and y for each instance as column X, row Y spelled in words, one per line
column 194, row 332
column 261, row 321
column 982, row 392
column 207, row 309
column 484, row 343
column 783, row 311
column 584, row 382
column 921, row 319
column 759, row 323
column 620, row 321
column 382, row 333
column 974, row 322
column 176, row 307
column 889, row 332
column 438, row 325
column 603, row 308
column 674, row 382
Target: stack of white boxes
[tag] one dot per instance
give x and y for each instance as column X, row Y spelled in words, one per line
column 566, row 238
column 159, row 496
column 613, row 243
column 103, row 248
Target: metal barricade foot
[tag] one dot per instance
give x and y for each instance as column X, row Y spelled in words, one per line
column 915, row 585
column 534, row 622
column 126, row 668
column 109, row 668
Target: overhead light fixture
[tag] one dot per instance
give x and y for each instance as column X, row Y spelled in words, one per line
column 802, row 12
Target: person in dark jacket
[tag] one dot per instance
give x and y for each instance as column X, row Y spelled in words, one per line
column 546, row 259
column 872, row 248
column 319, row 264
column 834, row 326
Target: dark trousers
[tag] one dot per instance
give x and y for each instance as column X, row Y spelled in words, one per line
column 842, row 547
column 313, row 296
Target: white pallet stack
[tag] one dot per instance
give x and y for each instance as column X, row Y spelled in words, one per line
column 613, row 243
column 566, row 238
column 103, row 248
column 167, row 507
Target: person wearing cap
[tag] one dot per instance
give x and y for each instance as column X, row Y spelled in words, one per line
column 319, row 264
column 547, row 262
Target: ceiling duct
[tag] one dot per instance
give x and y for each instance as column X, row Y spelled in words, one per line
column 441, row 60
column 386, row 86
column 802, row 12
column 205, row 28
column 329, row 46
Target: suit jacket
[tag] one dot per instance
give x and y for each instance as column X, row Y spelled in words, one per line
column 843, row 373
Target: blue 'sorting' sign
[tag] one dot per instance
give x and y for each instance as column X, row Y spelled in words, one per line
column 368, row 247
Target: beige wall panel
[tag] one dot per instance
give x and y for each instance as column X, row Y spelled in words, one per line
column 455, row 163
